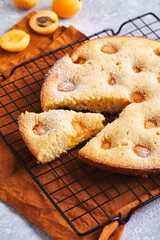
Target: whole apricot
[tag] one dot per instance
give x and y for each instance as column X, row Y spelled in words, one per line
column 15, row 40
column 25, row 4
column 44, row 22
column 66, row 8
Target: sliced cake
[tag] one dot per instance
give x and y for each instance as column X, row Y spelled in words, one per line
column 49, row 134
column 130, row 144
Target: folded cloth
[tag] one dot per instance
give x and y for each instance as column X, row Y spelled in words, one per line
column 18, row 189
column 38, row 45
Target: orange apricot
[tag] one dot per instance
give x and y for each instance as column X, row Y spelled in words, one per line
column 142, row 151
column 150, row 123
column 15, row 40
column 80, row 60
column 66, row 86
column 66, row 8
column 25, row 4
column 106, row 144
column 40, row 129
column 108, row 49
column 136, row 69
column 112, row 81
column 44, row 22
column 81, row 131
column 137, row 97
column 79, row 128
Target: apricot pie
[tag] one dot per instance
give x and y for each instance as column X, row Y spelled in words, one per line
column 49, row 134
column 106, row 75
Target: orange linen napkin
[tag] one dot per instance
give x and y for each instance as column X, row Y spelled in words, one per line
column 17, row 187
column 38, row 44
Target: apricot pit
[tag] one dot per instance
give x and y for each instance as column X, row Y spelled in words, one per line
column 44, row 21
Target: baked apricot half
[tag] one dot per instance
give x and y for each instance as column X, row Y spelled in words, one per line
column 15, row 40
column 25, row 4
column 66, row 8
column 44, row 22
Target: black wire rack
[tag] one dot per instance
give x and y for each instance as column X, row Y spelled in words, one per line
column 83, row 195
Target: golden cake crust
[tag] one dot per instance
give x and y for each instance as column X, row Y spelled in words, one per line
column 117, row 169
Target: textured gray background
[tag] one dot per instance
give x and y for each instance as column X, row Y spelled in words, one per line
column 95, row 16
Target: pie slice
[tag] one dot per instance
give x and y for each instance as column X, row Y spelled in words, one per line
column 104, row 75
column 130, row 144
column 49, row 134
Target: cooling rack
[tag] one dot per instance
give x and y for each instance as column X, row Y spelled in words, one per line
column 83, row 195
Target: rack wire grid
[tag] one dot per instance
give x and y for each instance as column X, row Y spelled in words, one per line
column 83, row 195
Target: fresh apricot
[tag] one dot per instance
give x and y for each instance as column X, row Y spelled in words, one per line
column 44, row 22
column 66, row 8
column 66, row 86
column 25, row 4
column 15, row 40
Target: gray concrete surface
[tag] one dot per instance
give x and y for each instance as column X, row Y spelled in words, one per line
column 95, row 15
